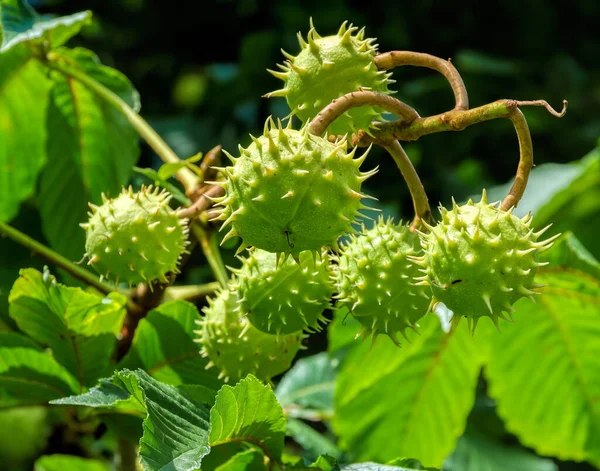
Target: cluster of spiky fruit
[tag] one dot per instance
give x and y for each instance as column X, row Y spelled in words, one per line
column 291, row 191
column 282, row 298
column 237, row 348
column 327, row 68
column 375, row 280
column 135, row 237
column 479, row 260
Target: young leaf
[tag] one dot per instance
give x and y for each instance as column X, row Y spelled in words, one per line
column 415, row 400
column 80, row 328
column 20, row 23
column 248, row 460
column 544, row 370
column 91, row 150
column 248, row 412
column 69, row 463
column 476, row 452
column 29, row 376
column 24, row 93
column 176, row 427
column 306, row 391
column 163, row 346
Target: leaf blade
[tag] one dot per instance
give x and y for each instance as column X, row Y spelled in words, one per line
column 248, row 411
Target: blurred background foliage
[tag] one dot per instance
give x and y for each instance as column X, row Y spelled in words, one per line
column 200, row 70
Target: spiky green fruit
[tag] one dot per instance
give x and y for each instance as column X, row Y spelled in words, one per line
column 327, row 68
column 135, row 237
column 283, row 297
column 479, row 260
column 237, row 348
column 291, row 191
column 374, row 280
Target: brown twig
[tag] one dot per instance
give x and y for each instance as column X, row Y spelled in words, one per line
column 525, row 160
column 389, row 60
column 354, row 99
column 457, row 120
column 417, row 192
column 203, row 202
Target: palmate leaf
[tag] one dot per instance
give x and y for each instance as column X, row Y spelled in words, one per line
column 24, row 94
column 248, row 412
column 415, row 400
column 176, row 427
column 91, row 150
column 476, row 452
column 80, row 328
column 570, row 202
column 544, row 371
column 163, row 346
column 28, row 375
column 307, row 389
column 19, row 23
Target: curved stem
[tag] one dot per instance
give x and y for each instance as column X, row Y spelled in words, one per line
column 389, row 60
column 55, row 258
column 188, row 179
column 127, row 455
column 419, row 197
column 191, row 292
column 351, row 100
column 211, row 251
column 525, row 160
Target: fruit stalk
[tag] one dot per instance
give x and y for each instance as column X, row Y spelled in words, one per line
column 341, row 105
column 389, row 60
column 417, row 191
column 211, row 251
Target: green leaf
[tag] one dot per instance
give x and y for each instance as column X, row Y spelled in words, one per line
column 248, row 412
column 163, row 346
column 91, row 151
column 415, row 400
column 20, row 23
column 176, row 427
column 570, row 202
column 29, row 376
column 80, row 328
column 326, row 463
column 107, row 395
column 544, row 370
column 476, row 452
column 569, row 252
column 69, row 463
column 313, row 443
column 248, row 460
column 169, row 169
column 24, row 93
column 306, row 390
